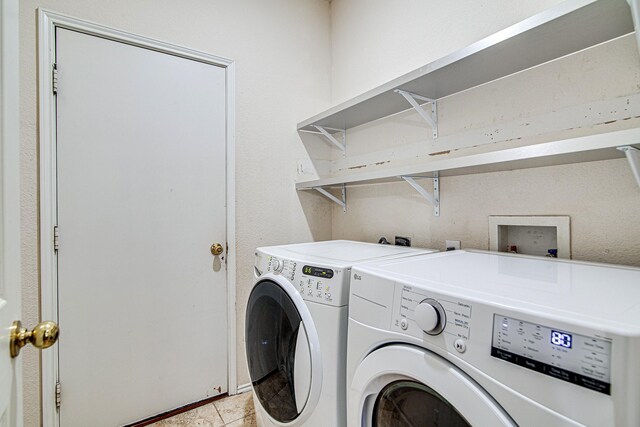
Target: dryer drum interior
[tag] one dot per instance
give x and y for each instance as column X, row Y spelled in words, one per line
column 274, row 334
column 410, row 403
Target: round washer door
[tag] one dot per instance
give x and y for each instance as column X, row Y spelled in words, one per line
column 283, row 352
column 401, row 385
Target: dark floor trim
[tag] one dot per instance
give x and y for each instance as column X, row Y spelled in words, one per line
column 176, row 411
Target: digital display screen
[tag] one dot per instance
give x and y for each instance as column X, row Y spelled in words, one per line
column 561, row 338
column 309, row 270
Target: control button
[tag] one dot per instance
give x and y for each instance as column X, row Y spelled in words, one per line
column 430, row 316
column 460, row 345
column 404, row 324
column 320, row 293
column 277, row 265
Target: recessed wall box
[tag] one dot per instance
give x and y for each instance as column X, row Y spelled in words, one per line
column 531, row 235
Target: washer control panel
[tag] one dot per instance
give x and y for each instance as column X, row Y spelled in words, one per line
column 284, row 267
column 316, row 283
column 314, row 289
column 579, row 359
column 418, row 313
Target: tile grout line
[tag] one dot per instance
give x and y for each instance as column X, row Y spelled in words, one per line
column 218, row 412
column 242, row 418
column 237, row 419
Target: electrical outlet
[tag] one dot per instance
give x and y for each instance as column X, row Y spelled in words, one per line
column 452, row 245
column 305, row 167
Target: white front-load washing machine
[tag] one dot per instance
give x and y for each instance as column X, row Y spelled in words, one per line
column 296, row 329
column 486, row 339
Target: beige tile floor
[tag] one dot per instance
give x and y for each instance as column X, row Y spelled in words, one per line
column 232, row 411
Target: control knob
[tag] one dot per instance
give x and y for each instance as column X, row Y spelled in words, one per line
column 277, row 265
column 430, row 316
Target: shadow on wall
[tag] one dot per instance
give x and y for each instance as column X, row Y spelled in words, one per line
column 316, row 208
column 317, row 212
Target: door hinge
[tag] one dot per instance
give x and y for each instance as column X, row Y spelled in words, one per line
column 54, row 79
column 56, row 238
column 57, row 394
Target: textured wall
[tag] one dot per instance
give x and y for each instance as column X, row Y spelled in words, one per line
column 601, row 198
column 281, row 49
column 590, row 92
column 374, row 41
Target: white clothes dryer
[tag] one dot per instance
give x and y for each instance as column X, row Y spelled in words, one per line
column 485, row 339
column 296, row 329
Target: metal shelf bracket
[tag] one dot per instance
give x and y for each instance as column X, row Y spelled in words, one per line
column 633, row 156
column 432, row 117
column 333, row 198
column 433, row 199
column 324, row 131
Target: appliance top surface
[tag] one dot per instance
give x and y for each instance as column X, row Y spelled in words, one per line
column 596, row 295
column 340, row 253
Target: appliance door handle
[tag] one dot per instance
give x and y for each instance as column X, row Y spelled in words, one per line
column 302, row 369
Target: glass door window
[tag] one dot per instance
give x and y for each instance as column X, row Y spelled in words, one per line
column 272, row 327
column 412, row 404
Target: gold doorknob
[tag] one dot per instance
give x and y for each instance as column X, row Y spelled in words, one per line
column 44, row 335
column 216, row 249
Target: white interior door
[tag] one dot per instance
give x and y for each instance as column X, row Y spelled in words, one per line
column 10, row 369
column 141, row 198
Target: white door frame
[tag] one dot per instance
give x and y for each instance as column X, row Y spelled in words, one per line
column 48, row 22
column 10, row 282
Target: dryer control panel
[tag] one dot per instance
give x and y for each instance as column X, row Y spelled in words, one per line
column 418, row 312
column 317, row 283
column 561, row 354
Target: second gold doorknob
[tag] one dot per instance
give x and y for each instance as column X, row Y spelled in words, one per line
column 216, row 249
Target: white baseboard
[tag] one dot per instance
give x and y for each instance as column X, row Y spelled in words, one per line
column 244, row 388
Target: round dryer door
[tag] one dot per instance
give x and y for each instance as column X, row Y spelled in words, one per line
column 282, row 351
column 402, row 386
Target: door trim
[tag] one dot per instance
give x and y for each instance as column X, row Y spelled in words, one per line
column 47, row 23
column 10, row 239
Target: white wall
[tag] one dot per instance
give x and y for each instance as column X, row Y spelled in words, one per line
column 594, row 91
column 281, row 49
column 373, row 41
